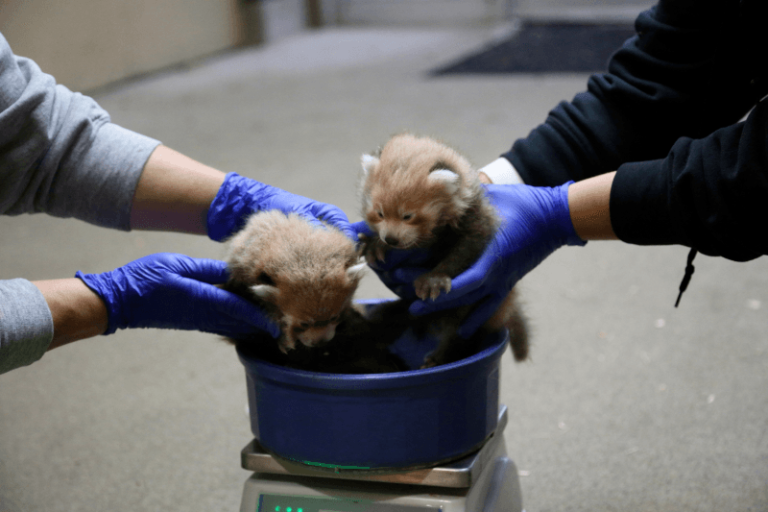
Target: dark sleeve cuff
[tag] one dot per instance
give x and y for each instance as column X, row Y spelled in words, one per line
column 708, row 194
column 640, row 205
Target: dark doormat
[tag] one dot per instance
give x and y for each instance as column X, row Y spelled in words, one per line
column 546, row 48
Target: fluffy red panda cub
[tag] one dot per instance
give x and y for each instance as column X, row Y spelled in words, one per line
column 303, row 275
column 418, row 192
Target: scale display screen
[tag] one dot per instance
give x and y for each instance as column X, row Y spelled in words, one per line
column 280, row 503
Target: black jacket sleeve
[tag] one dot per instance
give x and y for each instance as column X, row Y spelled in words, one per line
column 710, row 194
column 669, row 102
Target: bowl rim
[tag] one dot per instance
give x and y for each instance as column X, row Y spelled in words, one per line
column 367, row 381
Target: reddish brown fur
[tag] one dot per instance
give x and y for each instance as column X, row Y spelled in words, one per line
column 402, row 180
column 304, row 271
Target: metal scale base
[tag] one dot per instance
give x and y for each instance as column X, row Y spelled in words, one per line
column 484, row 481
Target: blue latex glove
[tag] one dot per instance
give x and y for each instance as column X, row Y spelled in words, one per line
column 239, row 197
column 535, row 222
column 173, row 291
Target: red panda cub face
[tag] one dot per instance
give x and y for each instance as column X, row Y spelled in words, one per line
column 413, row 187
column 311, row 310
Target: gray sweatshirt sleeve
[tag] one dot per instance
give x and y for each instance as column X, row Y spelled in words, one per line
column 26, row 325
column 59, row 154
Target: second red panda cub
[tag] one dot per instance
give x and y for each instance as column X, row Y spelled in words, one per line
column 418, row 192
column 304, row 276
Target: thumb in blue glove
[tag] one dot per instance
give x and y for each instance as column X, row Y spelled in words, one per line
column 535, row 222
column 173, row 291
column 239, row 197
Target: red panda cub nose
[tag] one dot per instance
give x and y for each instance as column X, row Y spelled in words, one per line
column 317, row 335
column 390, row 240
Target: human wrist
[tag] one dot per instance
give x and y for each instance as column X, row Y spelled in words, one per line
column 77, row 311
column 102, row 285
column 589, row 206
column 561, row 219
column 174, row 193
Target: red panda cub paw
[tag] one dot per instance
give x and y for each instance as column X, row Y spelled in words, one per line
column 286, row 344
column 373, row 250
column 430, row 285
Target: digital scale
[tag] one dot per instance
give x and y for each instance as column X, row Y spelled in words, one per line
column 483, row 481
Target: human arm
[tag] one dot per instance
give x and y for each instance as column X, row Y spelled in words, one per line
column 166, row 291
column 177, row 193
column 174, row 193
column 42, row 315
column 76, row 312
column 63, row 156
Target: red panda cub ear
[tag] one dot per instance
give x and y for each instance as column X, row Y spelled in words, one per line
column 265, row 287
column 265, row 292
column 449, row 179
column 369, row 164
column 355, row 272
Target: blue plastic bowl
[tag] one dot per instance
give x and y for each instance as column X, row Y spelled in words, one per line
column 377, row 421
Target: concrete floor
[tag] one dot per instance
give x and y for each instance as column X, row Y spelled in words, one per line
column 628, row 403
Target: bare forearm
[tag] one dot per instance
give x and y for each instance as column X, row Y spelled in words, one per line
column 589, row 203
column 77, row 312
column 174, row 193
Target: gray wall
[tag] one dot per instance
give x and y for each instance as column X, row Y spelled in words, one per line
column 419, row 12
column 86, row 44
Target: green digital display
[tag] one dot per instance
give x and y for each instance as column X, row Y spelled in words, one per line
column 281, row 503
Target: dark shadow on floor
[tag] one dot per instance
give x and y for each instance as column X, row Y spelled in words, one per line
column 546, row 48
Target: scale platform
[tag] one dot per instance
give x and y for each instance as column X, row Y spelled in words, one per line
column 483, row 481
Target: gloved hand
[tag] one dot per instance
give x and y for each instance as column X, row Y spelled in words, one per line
column 238, row 197
column 535, row 222
column 173, row 291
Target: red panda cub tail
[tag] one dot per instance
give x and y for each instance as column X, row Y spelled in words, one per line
column 303, row 275
column 418, row 192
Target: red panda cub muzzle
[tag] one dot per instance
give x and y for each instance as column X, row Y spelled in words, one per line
column 420, row 193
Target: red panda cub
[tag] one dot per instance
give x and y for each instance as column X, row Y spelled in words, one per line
column 303, row 275
column 420, row 193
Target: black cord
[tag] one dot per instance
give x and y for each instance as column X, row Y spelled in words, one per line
column 689, row 268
